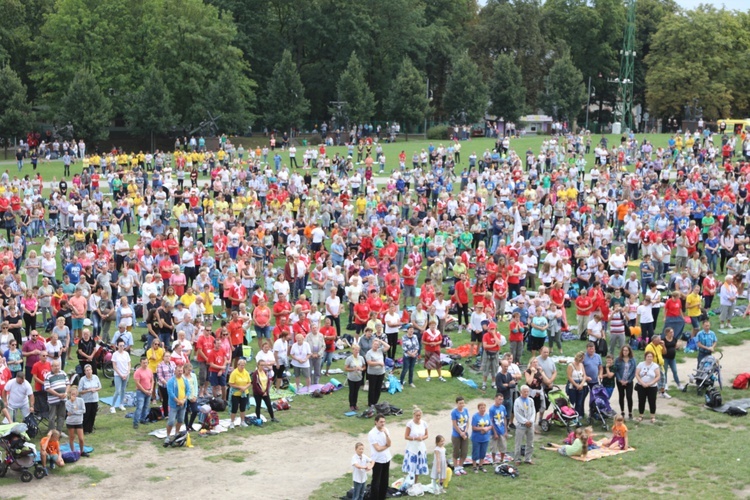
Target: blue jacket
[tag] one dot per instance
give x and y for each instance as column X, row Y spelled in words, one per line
column 172, row 390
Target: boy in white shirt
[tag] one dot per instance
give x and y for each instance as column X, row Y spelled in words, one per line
column 361, row 463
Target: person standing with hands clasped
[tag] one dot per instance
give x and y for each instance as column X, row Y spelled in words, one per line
column 460, row 436
column 380, row 444
column 524, row 413
column 481, row 432
column 361, row 464
column 706, row 340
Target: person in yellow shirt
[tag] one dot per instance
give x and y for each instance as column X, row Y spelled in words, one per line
column 361, row 205
column 693, row 308
column 239, row 382
column 178, row 210
column 208, row 302
column 237, row 207
column 155, row 355
column 188, row 297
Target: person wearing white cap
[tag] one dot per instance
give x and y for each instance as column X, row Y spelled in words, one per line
column 727, row 299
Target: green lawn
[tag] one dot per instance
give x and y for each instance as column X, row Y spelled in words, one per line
column 689, row 456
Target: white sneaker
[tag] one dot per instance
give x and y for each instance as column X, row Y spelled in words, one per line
column 666, row 395
column 428, row 379
column 243, row 424
column 122, row 408
column 441, row 379
column 112, row 410
column 413, row 386
column 231, row 425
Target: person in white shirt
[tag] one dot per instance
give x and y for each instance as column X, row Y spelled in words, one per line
column 594, row 328
column 475, row 326
column 333, row 310
column 380, row 443
column 361, row 463
column 300, row 354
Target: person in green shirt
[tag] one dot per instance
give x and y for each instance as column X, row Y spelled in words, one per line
column 465, row 240
column 459, row 268
column 579, row 446
column 706, row 222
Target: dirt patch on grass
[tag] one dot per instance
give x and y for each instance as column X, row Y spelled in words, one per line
column 291, row 463
column 641, row 473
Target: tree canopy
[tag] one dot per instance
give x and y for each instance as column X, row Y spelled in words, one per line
column 223, row 57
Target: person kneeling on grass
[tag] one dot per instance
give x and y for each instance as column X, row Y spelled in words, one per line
column 578, row 448
column 50, row 450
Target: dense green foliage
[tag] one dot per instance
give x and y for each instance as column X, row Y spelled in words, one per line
column 224, row 58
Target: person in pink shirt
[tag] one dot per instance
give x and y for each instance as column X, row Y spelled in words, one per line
column 144, row 381
column 29, row 306
column 79, row 304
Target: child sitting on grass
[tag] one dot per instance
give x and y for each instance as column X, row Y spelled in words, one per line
column 50, row 448
column 619, row 435
column 578, row 448
column 588, row 432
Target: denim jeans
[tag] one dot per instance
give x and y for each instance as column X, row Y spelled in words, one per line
column 359, row 491
column 671, row 364
column 142, row 403
column 409, row 364
column 120, row 386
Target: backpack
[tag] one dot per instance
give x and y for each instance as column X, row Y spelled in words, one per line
column 71, row 456
column 456, row 369
column 155, row 414
column 218, row 404
column 179, row 439
column 601, row 347
column 713, row 398
column 32, row 425
column 736, row 411
column 742, row 381
column 642, row 343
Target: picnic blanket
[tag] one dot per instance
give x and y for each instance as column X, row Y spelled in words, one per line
column 444, row 373
column 739, row 403
column 65, row 448
column 732, row 331
column 222, row 427
column 600, row 452
column 463, row 350
column 128, row 400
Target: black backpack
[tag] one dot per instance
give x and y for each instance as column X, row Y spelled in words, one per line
column 456, row 369
column 218, row 405
column 32, row 425
column 713, row 398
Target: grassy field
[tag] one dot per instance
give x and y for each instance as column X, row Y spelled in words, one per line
column 701, row 452
column 391, row 151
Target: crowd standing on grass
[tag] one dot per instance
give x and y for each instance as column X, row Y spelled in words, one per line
column 282, row 242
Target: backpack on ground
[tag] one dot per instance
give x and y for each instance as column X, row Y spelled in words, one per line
column 218, row 404
column 742, row 381
column 155, row 414
column 71, row 456
column 456, row 369
column 713, row 398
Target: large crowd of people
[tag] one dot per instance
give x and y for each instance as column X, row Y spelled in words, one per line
column 300, row 247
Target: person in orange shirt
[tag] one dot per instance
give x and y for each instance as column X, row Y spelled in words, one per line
column 50, row 450
column 236, row 337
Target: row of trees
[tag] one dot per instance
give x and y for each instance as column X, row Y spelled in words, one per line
column 161, row 65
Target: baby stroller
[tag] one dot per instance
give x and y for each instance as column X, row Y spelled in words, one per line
column 20, row 454
column 600, row 409
column 562, row 413
column 706, row 375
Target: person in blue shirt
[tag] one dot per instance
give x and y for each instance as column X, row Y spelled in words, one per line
column 481, row 433
column 706, row 342
column 277, row 161
column 460, row 435
column 592, row 365
column 73, row 271
column 499, row 419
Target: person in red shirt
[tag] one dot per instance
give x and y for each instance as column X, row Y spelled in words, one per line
column 514, row 277
column 376, row 303
column 303, row 303
column 393, row 292
column 282, row 308
column 500, row 294
column 432, row 339
column 217, row 368
column 237, row 295
column 427, row 293
column 40, row 370
column 203, row 347
column 329, row 335
column 262, row 320
column 361, row 315
column 236, row 337
column 409, row 273
column 461, row 297
column 283, row 326
column 166, row 266
column 584, row 308
column 491, row 343
column 173, row 248
column 709, row 289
